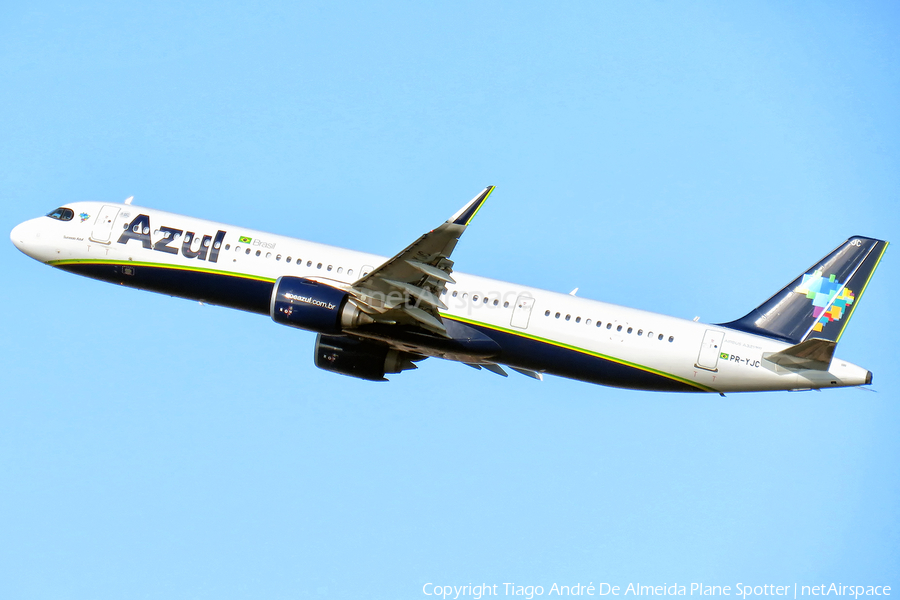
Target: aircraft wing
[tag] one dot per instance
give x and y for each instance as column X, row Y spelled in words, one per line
column 407, row 288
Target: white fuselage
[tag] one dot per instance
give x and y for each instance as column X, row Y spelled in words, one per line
column 707, row 357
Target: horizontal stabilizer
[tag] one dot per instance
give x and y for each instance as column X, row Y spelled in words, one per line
column 813, row 354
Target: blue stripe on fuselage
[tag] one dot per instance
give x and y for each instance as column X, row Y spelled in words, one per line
column 253, row 295
column 222, row 289
column 546, row 357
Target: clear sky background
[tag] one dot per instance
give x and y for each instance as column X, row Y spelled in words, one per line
column 687, row 158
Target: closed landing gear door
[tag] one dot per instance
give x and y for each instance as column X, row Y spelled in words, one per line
column 104, row 223
column 710, row 350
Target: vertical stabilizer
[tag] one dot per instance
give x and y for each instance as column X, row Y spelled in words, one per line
column 819, row 303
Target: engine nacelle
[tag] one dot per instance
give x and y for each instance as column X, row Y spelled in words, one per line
column 308, row 304
column 359, row 358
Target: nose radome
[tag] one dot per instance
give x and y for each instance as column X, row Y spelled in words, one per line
column 16, row 235
column 23, row 235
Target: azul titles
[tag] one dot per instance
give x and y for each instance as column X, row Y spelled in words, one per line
column 207, row 248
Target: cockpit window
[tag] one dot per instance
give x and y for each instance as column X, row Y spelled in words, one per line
column 62, row 214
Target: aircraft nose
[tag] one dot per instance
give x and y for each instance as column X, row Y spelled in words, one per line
column 24, row 235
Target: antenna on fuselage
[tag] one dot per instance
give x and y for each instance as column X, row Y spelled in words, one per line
column 129, row 199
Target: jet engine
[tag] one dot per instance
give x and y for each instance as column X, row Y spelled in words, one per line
column 359, row 358
column 307, row 304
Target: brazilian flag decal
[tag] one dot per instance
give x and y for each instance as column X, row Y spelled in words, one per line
column 723, row 355
column 245, row 240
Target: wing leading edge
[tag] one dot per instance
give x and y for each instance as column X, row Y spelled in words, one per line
column 406, row 289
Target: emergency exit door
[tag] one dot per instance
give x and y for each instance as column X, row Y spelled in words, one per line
column 522, row 312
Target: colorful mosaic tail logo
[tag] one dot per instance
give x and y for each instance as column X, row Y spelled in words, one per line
column 829, row 297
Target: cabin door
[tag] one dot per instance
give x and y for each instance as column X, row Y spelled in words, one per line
column 710, row 350
column 103, row 225
column 522, row 312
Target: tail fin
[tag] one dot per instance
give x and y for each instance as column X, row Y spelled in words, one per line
column 819, row 303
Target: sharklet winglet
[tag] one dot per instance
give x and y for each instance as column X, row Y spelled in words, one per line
column 465, row 215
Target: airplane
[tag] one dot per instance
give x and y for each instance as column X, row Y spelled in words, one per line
column 376, row 316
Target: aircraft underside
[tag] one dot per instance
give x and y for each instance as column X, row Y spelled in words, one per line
column 469, row 342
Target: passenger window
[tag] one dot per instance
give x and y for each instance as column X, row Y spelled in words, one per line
column 329, row 268
column 546, row 313
column 671, row 338
column 205, row 242
column 486, row 299
column 506, row 305
column 660, row 337
column 649, row 334
column 288, row 259
column 640, row 332
column 578, row 319
column 228, row 246
column 340, row 269
column 609, row 325
column 568, row 317
column 268, row 255
column 496, row 302
column 217, row 245
column 319, row 266
column 258, row 252
column 455, row 293
column 248, row 251
column 277, row 257
column 309, row 263
column 587, row 321
column 237, row 248
column 619, row 328
column 557, row 315
column 349, row 271
column 475, row 298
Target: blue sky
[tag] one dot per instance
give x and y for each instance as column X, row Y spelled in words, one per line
column 688, row 158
